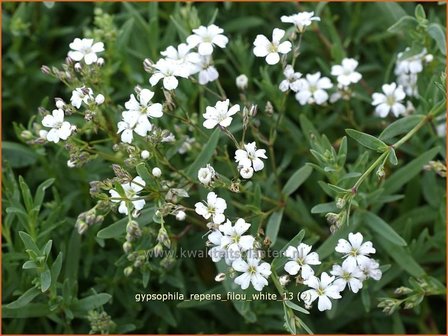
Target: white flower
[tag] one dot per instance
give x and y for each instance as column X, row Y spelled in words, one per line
column 345, row 72
column 370, row 269
column 85, row 49
column 253, row 272
column 206, row 175
column 202, row 65
column 265, row 48
column 233, row 239
column 71, row 164
column 217, row 252
column 60, row 104
column 300, row 260
column 323, row 289
column 300, row 20
column 247, row 172
column 348, row 275
column 144, row 154
column 312, row 89
column 135, row 119
column 241, row 82
column 81, row 95
column 168, row 70
column 391, row 100
column 131, row 190
column 409, row 83
column 250, row 156
column 180, row 54
column 99, row 99
column 291, row 79
column 60, row 129
column 207, row 37
column 355, row 251
column 412, row 64
column 156, row 172
column 220, row 114
column 181, row 215
column 214, row 208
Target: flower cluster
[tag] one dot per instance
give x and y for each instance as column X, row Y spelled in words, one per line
column 356, row 268
column 232, row 243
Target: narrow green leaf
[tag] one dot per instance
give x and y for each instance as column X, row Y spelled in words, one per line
column 324, row 208
column 24, row 299
column 297, row 179
column 393, row 156
column 45, row 280
column 204, row 157
column 290, row 319
column 273, row 225
column 438, row 34
column 28, row 311
column 56, row 267
column 407, row 173
column 29, row 242
column 18, row 155
column 40, row 193
column 91, row 302
column 403, row 25
column 419, row 12
column 26, row 194
column 279, row 260
column 367, row 140
column 143, row 172
column 296, row 307
column 400, row 126
column 383, row 229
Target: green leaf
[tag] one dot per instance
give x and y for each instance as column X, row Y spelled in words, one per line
column 29, row 242
column 56, row 267
column 125, row 34
column 242, row 24
column 280, row 259
column 273, row 225
column 420, row 12
column 367, row 140
column 24, row 299
column 28, row 311
column 91, row 302
column 401, row 126
column 383, row 229
column 119, row 227
column 297, row 179
column 324, row 208
column 45, row 280
column 407, row 173
column 402, row 258
column 40, row 193
column 29, row 265
column 18, row 155
column 204, row 157
column 290, row 319
column 393, row 156
column 438, row 34
column 404, row 25
column 296, row 307
column 26, row 194
column 143, row 172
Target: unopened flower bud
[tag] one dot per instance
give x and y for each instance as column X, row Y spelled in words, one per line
column 181, row 215
column 284, row 280
column 380, row 172
column 220, row 277
column 99, row 99
column 78, row 67
column 158, row 250
column 148, row 65
column 127, row 247
column 156, row 172
column 26, row 135
column 71, row 164
column 45, row 70
column 163, row 237
column 60, row 104
column 242, row 82
column 128, row 271
column 144, row 154
column 340, row 202
column 269, row 109
column 402, row 290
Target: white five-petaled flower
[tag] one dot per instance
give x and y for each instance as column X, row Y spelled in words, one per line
column 81, row 95
column 131, row 190
column 291, row 79
column 300, row 20
column 60, row 129
column 179, row 54
column 312, row 89
column 217, row 252
column 206, row 174
column 300, row 260
column 323, row 289
column 345, row 72
column 348, row 275
column 390, row 100
column 250, row 156
column 168, row 70
column 213, row 208
column 85, row 49
column 370, row 268
column 205, row 38
column 203, row 66
column 135, row 119
column 233, row 239
column 271, row 49
column 221, row 114
column 253, row 272
column 355, row 251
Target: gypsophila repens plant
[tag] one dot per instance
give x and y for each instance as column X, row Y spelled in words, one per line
column 285, row 162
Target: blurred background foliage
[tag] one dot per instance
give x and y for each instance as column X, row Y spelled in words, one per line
column 35, row 34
